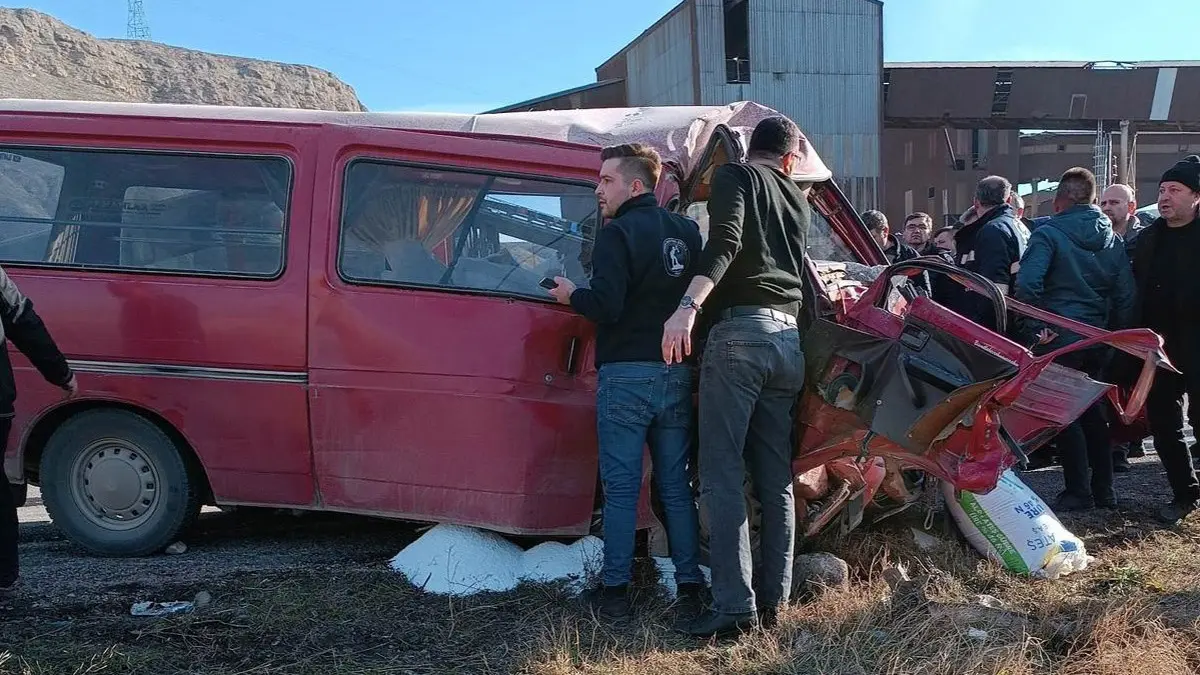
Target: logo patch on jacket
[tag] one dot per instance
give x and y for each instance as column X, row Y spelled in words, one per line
column 675, row 256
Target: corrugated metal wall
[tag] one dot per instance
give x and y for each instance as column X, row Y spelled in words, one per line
column 820, row 63
column 660, row 68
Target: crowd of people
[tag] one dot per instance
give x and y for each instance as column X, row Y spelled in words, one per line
column 660, row 296
column 1092, row 261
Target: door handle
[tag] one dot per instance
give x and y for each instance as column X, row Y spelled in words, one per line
column 570, row 365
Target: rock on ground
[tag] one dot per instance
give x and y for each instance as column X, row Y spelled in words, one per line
column 813, row 573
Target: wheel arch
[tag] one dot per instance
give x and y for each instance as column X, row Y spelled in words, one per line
column 34, row 443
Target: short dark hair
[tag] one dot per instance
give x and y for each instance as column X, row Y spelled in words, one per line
column 874, row 220
column 922, row 216
column 1077, row 186
column 993, row 191
column 774, row 137
column 943, row 230
column 636, row 161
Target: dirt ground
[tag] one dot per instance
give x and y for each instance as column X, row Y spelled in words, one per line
column 313, row 594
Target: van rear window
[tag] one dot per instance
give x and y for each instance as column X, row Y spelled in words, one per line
column 134, row 210
column 417, row 226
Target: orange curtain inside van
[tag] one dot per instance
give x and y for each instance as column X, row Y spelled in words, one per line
column 425, row 213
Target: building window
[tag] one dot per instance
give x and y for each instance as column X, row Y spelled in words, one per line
column 737, row 41
column 908, row 201
column 1002, row 142
column 1001, row 92
column 1078, row 108
column 144, row 211
column 466, row 231
column 908, row 153
column 979, row 148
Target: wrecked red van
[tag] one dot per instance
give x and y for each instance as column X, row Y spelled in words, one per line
column 341, row 312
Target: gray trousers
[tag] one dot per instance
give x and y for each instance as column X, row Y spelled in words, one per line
column 751, row 375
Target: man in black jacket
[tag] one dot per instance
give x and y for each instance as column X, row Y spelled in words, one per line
column 1120, row 205
column 894, row 249
column 1168, row 303
column 641, row 263
column 750, row 285
column 918, row 233
column 24, row 327
column 991, row 245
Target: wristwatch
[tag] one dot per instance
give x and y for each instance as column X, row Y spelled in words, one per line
column 688, row 303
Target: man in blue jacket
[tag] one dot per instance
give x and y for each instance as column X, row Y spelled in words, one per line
column 642, row 262
column 1076, row 267
column 991, row 245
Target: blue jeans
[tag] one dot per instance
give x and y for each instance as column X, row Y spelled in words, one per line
column 750, row 380
column 640, row 403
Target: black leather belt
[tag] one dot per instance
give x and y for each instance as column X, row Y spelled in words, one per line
column 747, row 310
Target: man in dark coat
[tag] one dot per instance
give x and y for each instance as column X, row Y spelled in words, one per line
column 1168, row 302
column 895, row 250
column 24, row 327
column 991, row 245
column 1120, row 205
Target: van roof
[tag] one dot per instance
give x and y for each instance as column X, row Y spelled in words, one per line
column 679, row 133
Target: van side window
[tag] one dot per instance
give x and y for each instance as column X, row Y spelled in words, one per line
column 415, row 226
column 199, row 214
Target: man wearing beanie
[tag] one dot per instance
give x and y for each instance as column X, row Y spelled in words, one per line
column 1169, row 303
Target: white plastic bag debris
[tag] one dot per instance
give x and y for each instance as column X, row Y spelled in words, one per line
column 161, row 608
column 1014, row 527
column 457, row 560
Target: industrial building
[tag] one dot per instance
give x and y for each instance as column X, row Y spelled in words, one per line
column 946, row 125
column 820, row 62
column 905, row 137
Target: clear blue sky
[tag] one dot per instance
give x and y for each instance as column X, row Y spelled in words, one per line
column 471, row 55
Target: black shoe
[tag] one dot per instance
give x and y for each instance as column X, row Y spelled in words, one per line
column 714, row 624
column 609, row 602
column 1136, row 450
column 691, row 599
column 1120, row 464
column 1072, row 502
column 1176, row 511
column 1105, row 499
column 768, row 617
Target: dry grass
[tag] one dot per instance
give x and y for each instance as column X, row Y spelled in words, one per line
column 1136, row 611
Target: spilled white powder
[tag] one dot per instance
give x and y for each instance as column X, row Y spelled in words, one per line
column 458, row 560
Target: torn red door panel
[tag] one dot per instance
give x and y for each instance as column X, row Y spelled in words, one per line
column 927, row 388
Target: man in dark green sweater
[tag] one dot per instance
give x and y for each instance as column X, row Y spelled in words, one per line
column 749, row 283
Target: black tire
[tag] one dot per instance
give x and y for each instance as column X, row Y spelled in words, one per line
column 142, row 496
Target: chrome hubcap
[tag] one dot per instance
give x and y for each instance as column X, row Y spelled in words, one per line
column 115, row 486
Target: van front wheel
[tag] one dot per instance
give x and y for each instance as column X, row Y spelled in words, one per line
column 116, row 485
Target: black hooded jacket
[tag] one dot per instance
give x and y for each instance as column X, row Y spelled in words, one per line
column 25, row 329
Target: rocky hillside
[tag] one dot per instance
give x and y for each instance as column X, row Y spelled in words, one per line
column 41, row 57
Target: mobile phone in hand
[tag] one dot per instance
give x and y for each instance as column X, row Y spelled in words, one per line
column 548, row 283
